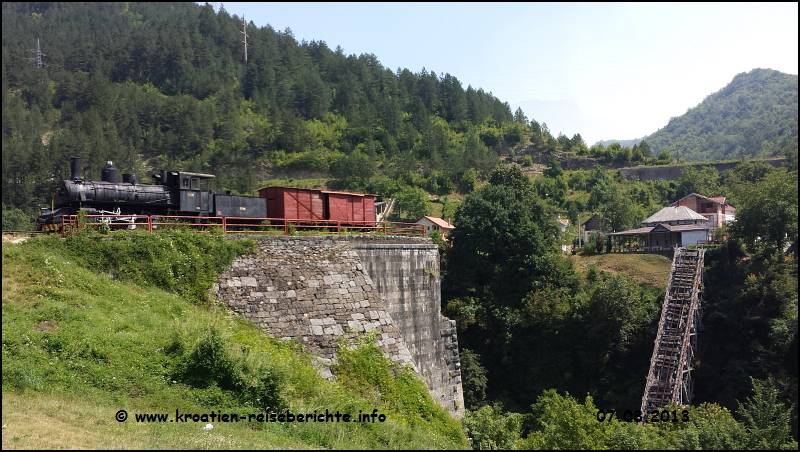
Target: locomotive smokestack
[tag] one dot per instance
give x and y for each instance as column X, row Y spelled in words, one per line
column 75, row 168
column 109, row 173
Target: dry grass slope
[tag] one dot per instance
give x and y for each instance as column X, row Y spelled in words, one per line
column 649, row 269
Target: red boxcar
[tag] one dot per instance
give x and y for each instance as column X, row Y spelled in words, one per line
column 293, row 203
column 354, row 208
column 305, row 204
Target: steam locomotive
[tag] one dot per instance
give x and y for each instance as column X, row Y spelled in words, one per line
column 171, row 193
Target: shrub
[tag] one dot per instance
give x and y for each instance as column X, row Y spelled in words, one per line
column 265, row 391
column 179, row 261
column 490, row 428
column 413, row 202
column 16, row 220
column 527, row 160
column 468, row 180
column 211, row 363
column 592, row 246
column 766, row 418
column 592, row 274
column 474, row 379
column 561, row 422
column 353, row 170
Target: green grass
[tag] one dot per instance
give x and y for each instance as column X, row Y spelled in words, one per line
column 296, row 183
column 580, row 197
column 677, row 163
column 180, row 260
column 437, row 205
column 83, row 339
column 649, row 269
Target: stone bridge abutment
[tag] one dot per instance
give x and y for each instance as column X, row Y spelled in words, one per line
column 317, row 290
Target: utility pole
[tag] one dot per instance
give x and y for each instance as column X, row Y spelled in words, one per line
column 244, row 32
column 38, row 51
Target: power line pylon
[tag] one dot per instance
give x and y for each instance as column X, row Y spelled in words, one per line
column 244, row 41
column 38, row 58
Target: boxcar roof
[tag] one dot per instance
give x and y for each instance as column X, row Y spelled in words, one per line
column 289, row 188
column 331, row 192
column 346, row 193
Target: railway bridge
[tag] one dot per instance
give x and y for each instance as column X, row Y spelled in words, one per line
column 669, row 378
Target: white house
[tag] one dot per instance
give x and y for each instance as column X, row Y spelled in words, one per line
column 669, row 227
column 436, row 224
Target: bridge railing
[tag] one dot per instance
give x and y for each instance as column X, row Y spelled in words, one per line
column 238, row 225
column 706, row 244
column 200, row 223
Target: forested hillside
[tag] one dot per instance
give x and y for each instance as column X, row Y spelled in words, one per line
column 155, row 86
column 165, row 85
column 529, row 322
column 755, row 115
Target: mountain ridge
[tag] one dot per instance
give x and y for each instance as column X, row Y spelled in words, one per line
column 624, row 143
column 755, row 115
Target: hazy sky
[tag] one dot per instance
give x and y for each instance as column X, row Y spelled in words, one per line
column 603, row 70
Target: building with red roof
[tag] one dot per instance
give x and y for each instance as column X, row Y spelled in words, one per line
column 436, row 224
column 714, row 208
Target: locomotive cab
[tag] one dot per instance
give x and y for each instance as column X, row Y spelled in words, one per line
column 195, row 192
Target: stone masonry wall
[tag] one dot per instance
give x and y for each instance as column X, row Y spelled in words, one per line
column 406, row 273
column 675, row 171
column 317, row 290
column 313, row 291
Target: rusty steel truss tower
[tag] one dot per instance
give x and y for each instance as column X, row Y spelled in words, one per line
column 669, row 379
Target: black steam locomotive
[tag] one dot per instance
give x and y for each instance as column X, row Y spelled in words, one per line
column 172, row 193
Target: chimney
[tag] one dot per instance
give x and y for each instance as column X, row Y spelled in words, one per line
column 109, row 173
column 75, row 168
